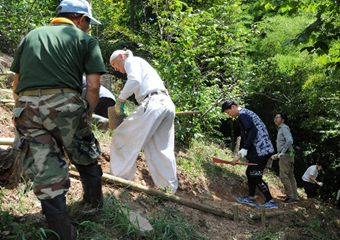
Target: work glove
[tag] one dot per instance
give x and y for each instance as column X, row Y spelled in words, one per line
column 243, row 152
column 119, row 108
column 274, row 157
column 320, row 184
column 337, row 197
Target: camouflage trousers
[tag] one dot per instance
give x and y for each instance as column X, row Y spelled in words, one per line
column 52, row 128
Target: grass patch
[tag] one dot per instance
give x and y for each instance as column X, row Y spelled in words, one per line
column 171, row 225
column 198, row 161
column 114, row 222
column 101, row 135
column 267, row 235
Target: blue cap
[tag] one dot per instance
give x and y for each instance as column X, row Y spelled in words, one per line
column 77, row 6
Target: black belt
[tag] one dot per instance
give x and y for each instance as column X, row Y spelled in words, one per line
column 155, row 93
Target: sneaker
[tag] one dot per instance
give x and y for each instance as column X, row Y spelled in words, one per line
column 246, row 201
column 290, row 201
column 268, row 205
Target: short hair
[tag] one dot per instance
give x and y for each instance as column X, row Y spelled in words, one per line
column 73, row 16
column 283, row 116
column 227, row 104
column 117, row 52
column 324, row 165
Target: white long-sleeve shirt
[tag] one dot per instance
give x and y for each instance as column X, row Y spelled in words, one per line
column 142, row 79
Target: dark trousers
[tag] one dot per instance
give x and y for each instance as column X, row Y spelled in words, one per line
column 102, row 106
column 254, row 175
column 309, row 189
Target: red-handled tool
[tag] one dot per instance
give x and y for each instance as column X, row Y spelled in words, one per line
column 217, row 160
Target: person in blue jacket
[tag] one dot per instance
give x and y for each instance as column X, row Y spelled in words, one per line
column 257, row 149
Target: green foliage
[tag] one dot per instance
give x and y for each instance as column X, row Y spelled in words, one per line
column 114, row 32
column 198, row 162
column 266, row 235
column 322, row 34
column 19, row 17
column 14, row 230
column 286, row 80
column 101, row 135
column 321, row 90
column 171, row 225
column 198, row 54
column 273, row 31
column 2, row 195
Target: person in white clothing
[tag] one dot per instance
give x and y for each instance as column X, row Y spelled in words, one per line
column 309, row 179
column 149, row 126
column 100, row 113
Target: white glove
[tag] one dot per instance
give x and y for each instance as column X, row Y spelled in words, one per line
column 243, row 152
column 320, row 184
column 274, row 157
column 338, row 196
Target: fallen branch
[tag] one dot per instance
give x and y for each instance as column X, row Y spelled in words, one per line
column 151, row 191
column 272, row 214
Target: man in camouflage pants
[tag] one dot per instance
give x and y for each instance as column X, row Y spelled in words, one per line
column 52, row 118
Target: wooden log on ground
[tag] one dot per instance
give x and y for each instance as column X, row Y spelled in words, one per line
column 272, row 214
column 6, row 141
column 151, row 191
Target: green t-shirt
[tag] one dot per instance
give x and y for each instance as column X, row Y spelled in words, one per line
column 56, row 56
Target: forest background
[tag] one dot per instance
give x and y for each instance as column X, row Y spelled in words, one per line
column 269, row 55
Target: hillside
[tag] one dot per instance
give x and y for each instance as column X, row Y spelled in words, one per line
column 301, row 221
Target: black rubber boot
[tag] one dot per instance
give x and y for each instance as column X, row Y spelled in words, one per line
column 92, row 185
column 57, row 218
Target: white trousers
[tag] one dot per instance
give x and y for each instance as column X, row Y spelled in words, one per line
column 150, row 126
